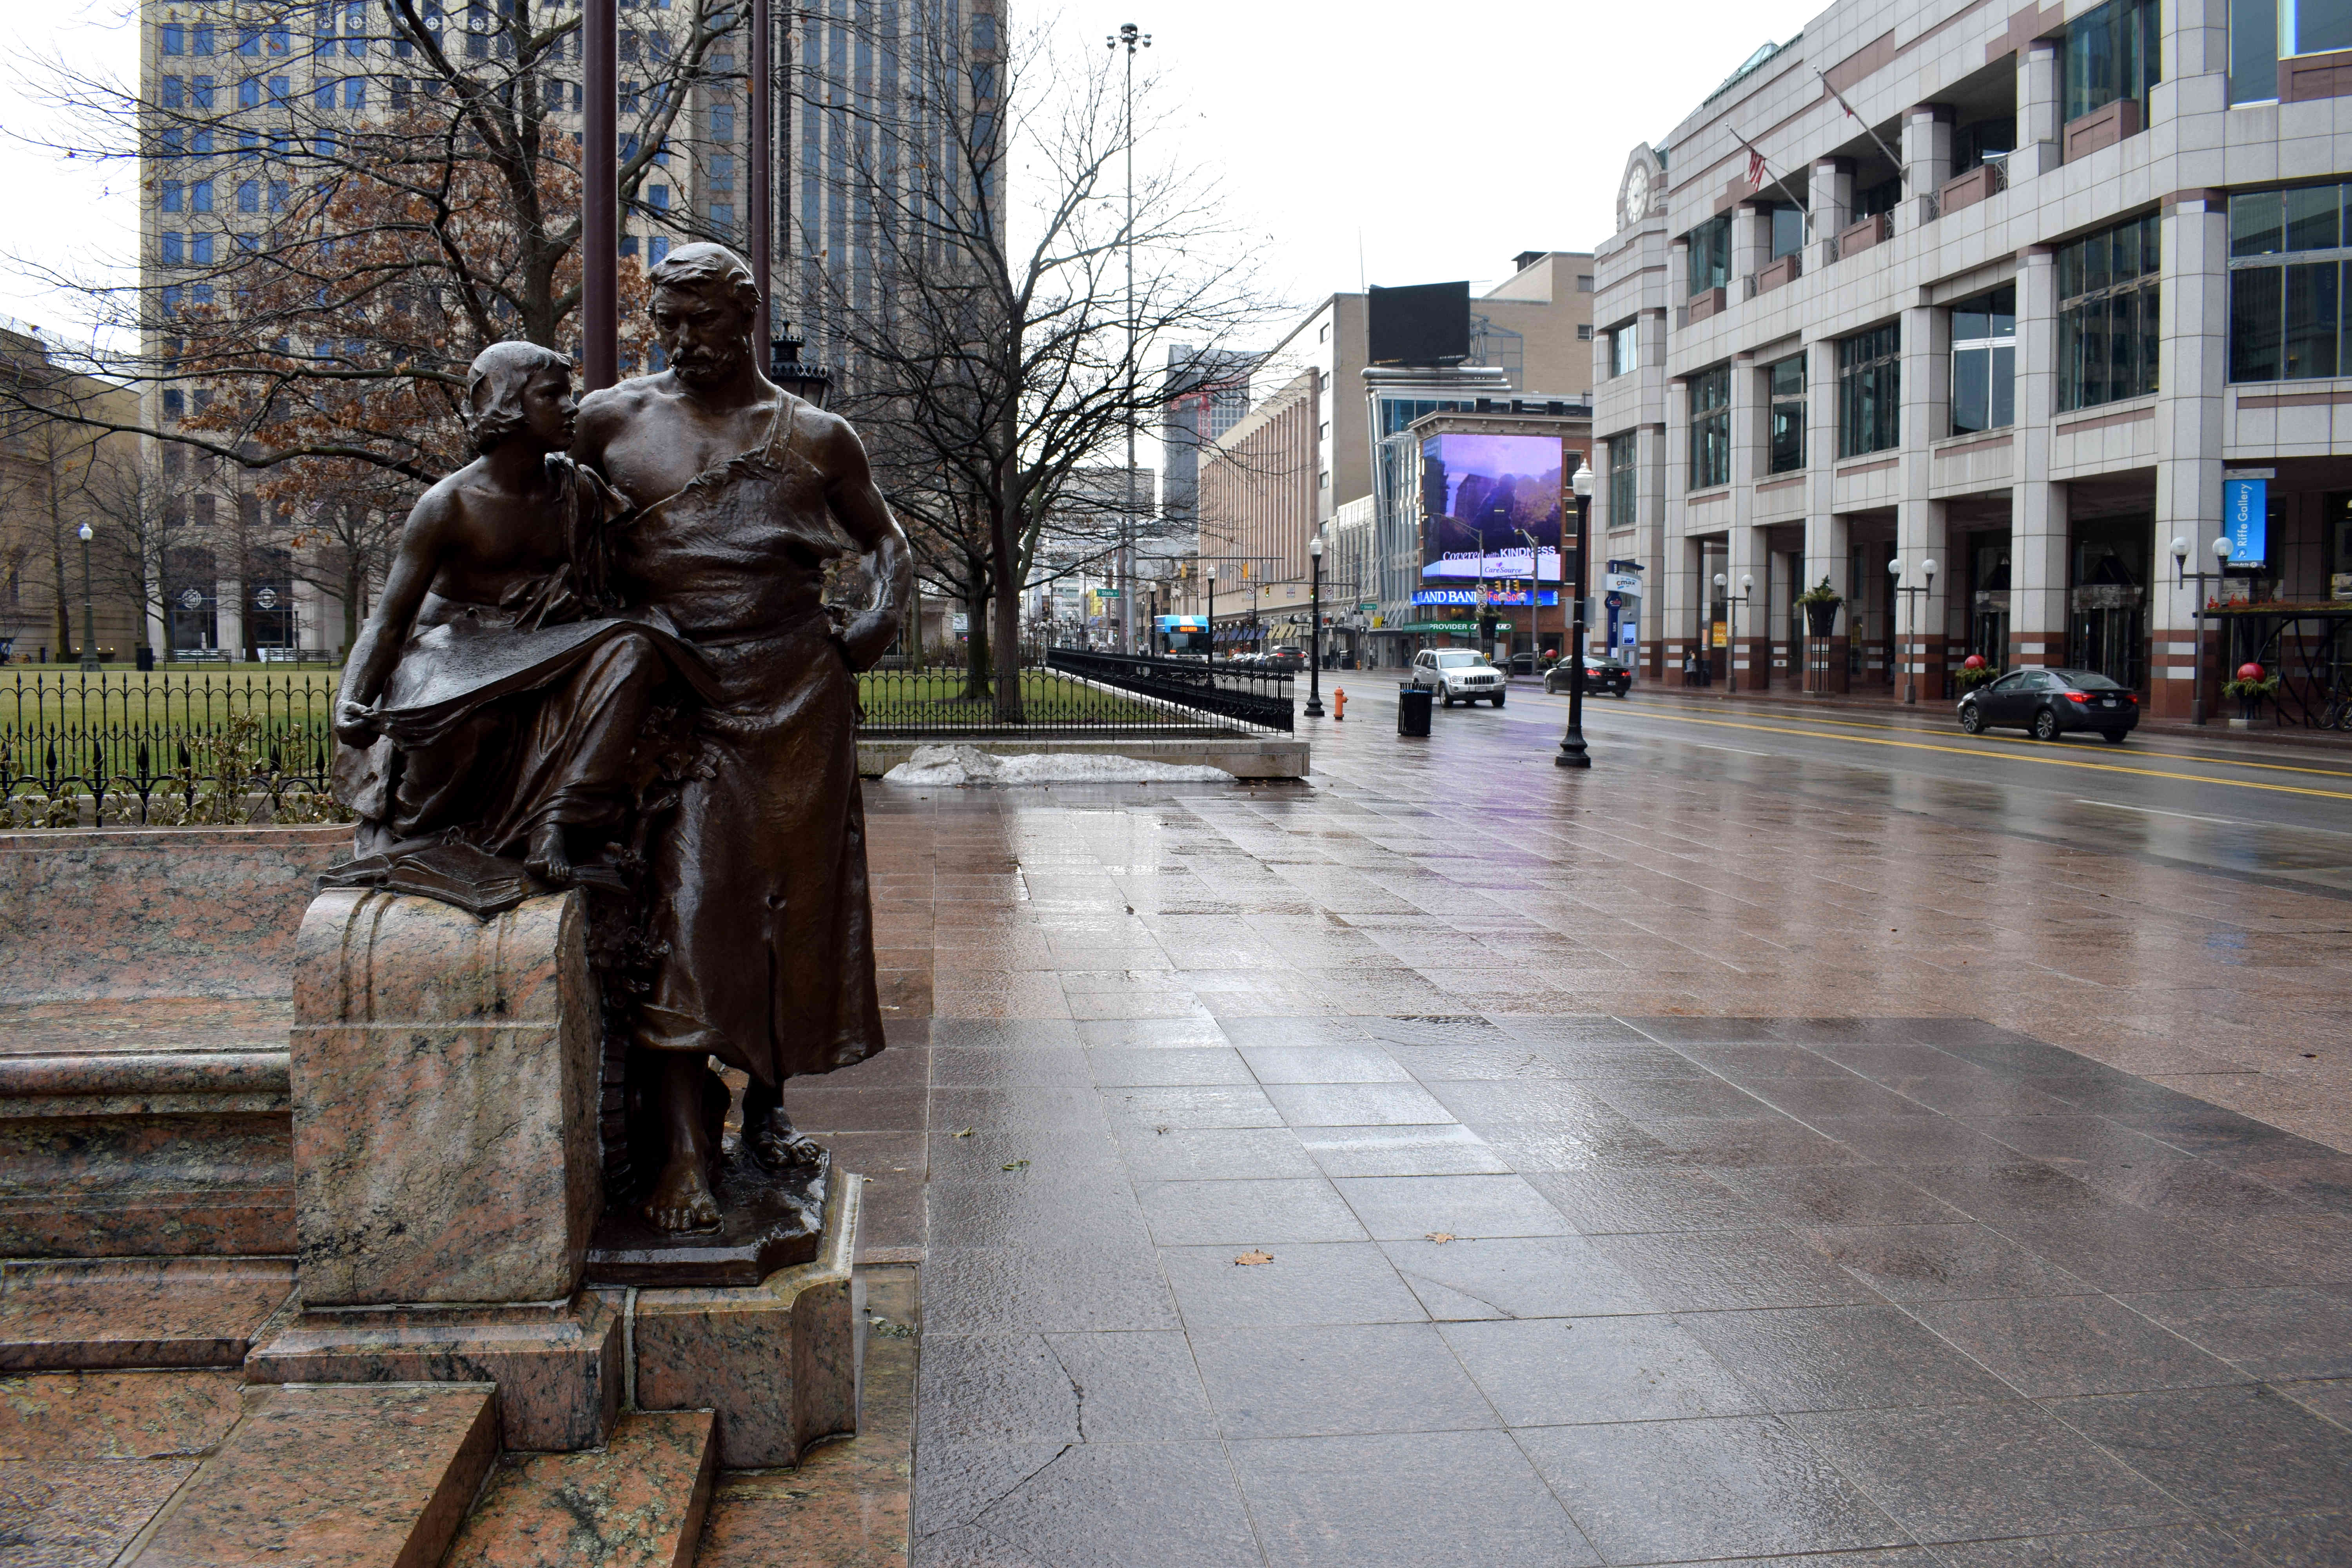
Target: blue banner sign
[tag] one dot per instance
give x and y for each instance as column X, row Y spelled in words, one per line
column 1494, row 596
column 2245, row 518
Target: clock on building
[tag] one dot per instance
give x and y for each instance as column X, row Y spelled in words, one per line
column 1639, row 194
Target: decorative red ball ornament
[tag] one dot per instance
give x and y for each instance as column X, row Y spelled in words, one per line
column 1974, row 661
column 2249, row 671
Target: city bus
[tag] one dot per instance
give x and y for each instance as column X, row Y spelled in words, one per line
column 1183, row 637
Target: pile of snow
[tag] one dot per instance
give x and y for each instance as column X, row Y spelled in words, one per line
column 952, row 765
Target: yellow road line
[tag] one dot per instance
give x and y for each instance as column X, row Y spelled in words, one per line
column 2055, row 762
column 2020, row 741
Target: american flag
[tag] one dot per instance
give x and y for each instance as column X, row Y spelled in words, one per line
column 1755, row 167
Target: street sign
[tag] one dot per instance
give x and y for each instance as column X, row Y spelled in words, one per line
column 2245, row 520
column 1367, row 606
column 1622, row 583
column 1108, row 593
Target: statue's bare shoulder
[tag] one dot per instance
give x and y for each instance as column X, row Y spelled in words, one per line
column 606, row 412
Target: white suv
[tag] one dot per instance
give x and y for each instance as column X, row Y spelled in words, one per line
column 1458, row 675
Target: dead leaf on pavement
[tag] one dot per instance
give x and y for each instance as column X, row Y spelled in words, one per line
column 1441, row 1237
column 1018, row 1166
column 965, row 1133
column 1251, row 1259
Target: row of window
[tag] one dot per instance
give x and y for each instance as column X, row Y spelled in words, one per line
column 196, row 195
column 181, row 94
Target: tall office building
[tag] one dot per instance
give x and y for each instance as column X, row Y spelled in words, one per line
column 251, row 113
column 1216, row 397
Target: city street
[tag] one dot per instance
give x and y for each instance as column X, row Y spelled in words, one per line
column 1792, row 1136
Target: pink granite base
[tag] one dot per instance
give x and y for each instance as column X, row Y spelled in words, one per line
column 110, row 1313
column 637, row 1502
column 444, row 1075
column 59, row 1415
column 558, row 1368
column 778, row 1363
column 341, row 1476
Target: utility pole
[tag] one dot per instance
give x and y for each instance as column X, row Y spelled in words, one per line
column 600, row 291
column 1134, row 39
column 762, row 106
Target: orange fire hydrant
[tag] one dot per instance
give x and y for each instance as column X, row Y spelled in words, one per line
column 1338, row 704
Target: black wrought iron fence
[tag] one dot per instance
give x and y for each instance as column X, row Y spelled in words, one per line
column 1240, row 698
column 165, row 750
column 1071, row 691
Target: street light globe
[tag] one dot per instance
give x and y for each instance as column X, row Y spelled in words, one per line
column 1582, row 483
column 1721, row 579
column 1747, row 583
column 2180, row 549
column 1315, row 547
column 1929, row 566
column 1894, row 567
column 2221, row 547
column 84, row 535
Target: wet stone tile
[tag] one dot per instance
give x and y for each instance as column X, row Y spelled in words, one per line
column 2060, row 1346
column 2285, row 1333
column 1747, row 1144
column 1338, row 1379
column 1837, row 1196
column 1334, row 1503
column 1356, row 1104
column 1669, row 1491
column 1122, row 1502
column 2232, row 1453
column 1212, row 1153
column 1167, row 1066
column 1246, row 1214
column 1409, row 1151
column 1841, row 1358
column 2177, row 1546
column 1309, row 1283
column 1605, row 1196
column 1966, row 1472
column 1397, row 1207
column 1514, row 1276
column 1941, row 1262
column 1067, row 1289
column 1550, row 1372
column 2301, row 1541
column 1766, row 1267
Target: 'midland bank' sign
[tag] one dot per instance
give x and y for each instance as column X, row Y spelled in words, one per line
column 1493, row 594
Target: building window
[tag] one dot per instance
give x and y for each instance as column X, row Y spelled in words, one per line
column 248, row 93
column 1984, row 362
column 355, row 28
column 200, row 40
column 2286, row 265
column 1584, row 282
column 200, row 196
column 175, row 39
column 175, row 251
column 175, row 403
column 2106, row 316
column 168, row 142
column 281, row 91
column 1872, row 200
column 200, row 249
column 1625, row 483
column 280, row 38
column 176, row 92
column 722, row 123
column 1625, row 348
column 658, row 197
column 1710, row 428
column 1784, row 385
column 1710, row 254
column 2111, row 53
column 722, row 214
column 657, row 249
column 355, row 93
column 1870, row 390
column 1788, row 231
column 1584, row 333
column 200, row 91
column 170, row 197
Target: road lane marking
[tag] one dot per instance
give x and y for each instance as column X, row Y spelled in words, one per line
column 2021, row 740
column 2151, row 811
column 1711, row 746
column 2033, row 756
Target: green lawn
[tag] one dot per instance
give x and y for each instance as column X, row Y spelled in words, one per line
column 930, row 699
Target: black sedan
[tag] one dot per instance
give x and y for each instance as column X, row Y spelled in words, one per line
column 1601, row 673
column 2050, row 702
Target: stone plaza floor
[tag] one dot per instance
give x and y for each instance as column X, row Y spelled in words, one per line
column 1456, row 1162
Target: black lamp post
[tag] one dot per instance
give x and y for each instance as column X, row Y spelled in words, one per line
column 1315, row 627
column 1572, row 754
column 1211, row 572
column 89, row 616
column 2181, row 578
column 1910, row 592
column 1732, row 604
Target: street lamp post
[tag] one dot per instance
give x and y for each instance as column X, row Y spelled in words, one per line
column 1572, row 752
column 2181, row 578
column 1911, row 593
column 1315, row 627
column 1134, row 39
column 1732, row 604
column 1209, row 571
column 89, row 616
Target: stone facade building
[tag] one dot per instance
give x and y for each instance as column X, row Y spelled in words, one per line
column 2022, row 293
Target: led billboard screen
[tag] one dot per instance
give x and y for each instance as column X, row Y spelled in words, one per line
column 1428, row 323
column 1483, row 499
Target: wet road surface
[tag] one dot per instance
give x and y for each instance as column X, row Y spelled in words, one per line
column 1714, row 1156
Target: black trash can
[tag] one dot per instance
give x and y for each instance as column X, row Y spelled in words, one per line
column 146, row 658
column 1412, row 709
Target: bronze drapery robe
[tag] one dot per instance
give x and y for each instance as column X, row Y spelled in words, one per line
column 768, row 922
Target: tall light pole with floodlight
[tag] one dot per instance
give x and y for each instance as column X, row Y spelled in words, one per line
column 1732, row 604
column 88, row 614
column 1315, row 627
column 1573, row 751
column 1911, row 593
column 2181, row 578
column 1135, row 38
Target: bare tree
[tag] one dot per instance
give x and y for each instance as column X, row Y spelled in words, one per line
column 989, row 354
column 358, row 199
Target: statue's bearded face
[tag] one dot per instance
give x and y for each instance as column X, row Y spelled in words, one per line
column 706, row 332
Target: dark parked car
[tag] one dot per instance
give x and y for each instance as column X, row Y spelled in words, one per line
column 2049, row 702
column 1601, row 673
column 1287, row 659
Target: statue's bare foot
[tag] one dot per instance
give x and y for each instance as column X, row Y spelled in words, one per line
column 768, row 1135
column 681, row 1200
column 547, row 859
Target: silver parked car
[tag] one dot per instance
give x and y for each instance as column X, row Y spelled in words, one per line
column 1458, row 675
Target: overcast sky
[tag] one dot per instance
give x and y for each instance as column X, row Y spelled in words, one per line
column 1435, row 151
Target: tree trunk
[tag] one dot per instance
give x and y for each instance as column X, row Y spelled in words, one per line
column 352, row 602
column 1005, row 557
column 976, row 646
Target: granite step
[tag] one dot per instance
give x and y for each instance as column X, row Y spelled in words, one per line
column 637, row 1502
column 88, row 1458
column 86, row 1314
column 370, row 1476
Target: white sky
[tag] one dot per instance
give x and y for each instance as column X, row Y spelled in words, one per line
column 1443, row 143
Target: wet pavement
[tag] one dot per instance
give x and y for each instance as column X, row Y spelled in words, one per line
column 1713, row 1157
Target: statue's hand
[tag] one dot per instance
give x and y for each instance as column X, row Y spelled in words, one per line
column 354, row 723
column 867, row 637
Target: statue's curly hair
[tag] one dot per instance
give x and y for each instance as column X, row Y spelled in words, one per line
column 697, row 268
column 494, row 389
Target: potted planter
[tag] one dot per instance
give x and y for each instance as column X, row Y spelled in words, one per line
column 2251, row 688
column 1973, row 672
column 1821, row 604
